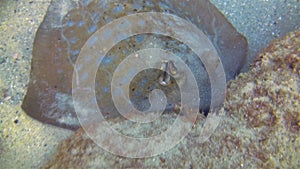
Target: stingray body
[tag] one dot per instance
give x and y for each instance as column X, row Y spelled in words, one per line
column 67, row 26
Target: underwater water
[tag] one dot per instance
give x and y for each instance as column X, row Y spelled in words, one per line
column 259, row 21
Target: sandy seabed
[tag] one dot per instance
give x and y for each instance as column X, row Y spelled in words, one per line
column 27, row 143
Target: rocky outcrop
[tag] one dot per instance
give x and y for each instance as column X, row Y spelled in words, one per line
column 259, row 129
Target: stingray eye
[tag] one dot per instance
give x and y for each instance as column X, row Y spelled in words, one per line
column 168, row 68
column 164, row 79
column 171, row 67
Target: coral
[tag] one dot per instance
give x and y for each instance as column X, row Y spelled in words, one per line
column 259, row 129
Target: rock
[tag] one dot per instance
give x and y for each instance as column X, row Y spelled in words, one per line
column 259, row 129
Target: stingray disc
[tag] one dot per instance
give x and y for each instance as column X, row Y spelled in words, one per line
column 68, row 25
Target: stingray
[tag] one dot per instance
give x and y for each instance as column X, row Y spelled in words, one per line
column 67, row 26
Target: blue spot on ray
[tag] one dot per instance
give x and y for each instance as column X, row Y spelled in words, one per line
column 79, row 67
column 107, row 34
column 108, row 20
column 74, row 52
column 118, row 92
column 88, row 58
column 137, row 6
column 163, row 5
column 73, row 40
column 100, row 58
column 140, row 38
column 84, row 76
column 59, row 71
column 86, row 2
column 96, row 17
column 121, row 36
column 108, row 60
column 131, row 72
column 70, row 23
column 137, row 93
column 118, row 9
column 105, row 89
column 141, row 22
column 143, row 82
column 148, row 3
column 125, row 25
column 124, row 80
column 81, row 23
column 92, row 41
column 92, row 29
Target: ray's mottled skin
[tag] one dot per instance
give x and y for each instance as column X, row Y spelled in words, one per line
column 69, row 23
